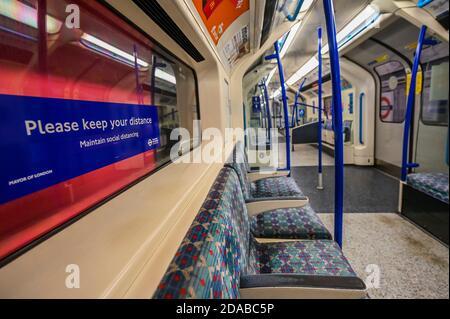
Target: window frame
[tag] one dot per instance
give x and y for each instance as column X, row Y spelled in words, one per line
column 161, row 51
column 159, row 48
column 422, row 99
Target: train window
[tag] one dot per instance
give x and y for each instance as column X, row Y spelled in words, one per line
column 393, row 91
column 85, row 111
column 435, row 93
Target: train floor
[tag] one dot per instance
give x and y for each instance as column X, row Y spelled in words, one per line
column 367, row 189
column 411, row 263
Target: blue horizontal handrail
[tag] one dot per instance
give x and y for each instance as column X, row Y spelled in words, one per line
column 309, row 105
column 293, row 17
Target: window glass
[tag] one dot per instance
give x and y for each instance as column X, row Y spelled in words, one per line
column 393, row 91
column 436, row 86
column 328, row 107
column 85, row 111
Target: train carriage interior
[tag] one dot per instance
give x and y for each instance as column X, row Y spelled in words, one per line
column 224, row 149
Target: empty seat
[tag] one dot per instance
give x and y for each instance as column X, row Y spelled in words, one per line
column 273, row 187
column 313, row 257
column 433, row 184
column 265, row 185
column 293, row 219
column 220, row 258
column 289, row 223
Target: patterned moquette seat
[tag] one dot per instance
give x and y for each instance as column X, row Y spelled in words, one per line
column 211, row 258
column 219, row 253
column 264, row 189
column 309, row 257
column 433, row 184
column 291, row 223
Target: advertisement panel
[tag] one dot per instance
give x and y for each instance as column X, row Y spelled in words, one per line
column 227, row 23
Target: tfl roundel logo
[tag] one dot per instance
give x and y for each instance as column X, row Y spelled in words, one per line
column 153, row 142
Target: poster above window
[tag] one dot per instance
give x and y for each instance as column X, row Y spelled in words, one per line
column 227, row 24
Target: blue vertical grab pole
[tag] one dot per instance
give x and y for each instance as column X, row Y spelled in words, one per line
column 285, row 107
column 410, row 106
column 269, row 115
column 406, row 166
column 319, row 133
column 337, row 109
column 297, row 95
column 285, row 103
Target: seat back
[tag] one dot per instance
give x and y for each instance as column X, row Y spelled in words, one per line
column 242, row 153
column 215, row 251
column 238, row 161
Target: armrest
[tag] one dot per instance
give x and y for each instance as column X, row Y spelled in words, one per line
column 256, row 176
column 291, row 286
column 260, row 206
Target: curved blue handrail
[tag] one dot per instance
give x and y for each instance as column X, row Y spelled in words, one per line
column 410, row 106
column 423, row 3
column 293, row 17
column 361, row 118
column 338, row 119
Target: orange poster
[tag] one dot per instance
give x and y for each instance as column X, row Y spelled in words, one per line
column 218, row 15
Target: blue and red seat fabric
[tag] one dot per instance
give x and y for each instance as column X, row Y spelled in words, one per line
column 219, row 254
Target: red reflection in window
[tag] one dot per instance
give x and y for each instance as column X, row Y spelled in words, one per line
column 69, row 70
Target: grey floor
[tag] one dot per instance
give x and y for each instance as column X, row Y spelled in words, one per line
column 366, row 189
column 411, row 264
column 303, row 155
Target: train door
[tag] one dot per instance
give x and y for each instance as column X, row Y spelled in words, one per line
column 430, row 143
column 382, row 55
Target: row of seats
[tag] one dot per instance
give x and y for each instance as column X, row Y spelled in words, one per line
column 257, row 237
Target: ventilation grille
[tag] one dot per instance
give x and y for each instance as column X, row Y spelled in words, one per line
column 162, row 19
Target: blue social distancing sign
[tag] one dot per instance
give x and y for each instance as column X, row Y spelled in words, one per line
column 46, row 141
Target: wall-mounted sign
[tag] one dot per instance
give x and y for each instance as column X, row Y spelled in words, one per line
column 301, row 113
column 387, row 107
column 379, row 59
column 256, row 104
column 419, row 82
column 54, row 140
column 350, row 103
